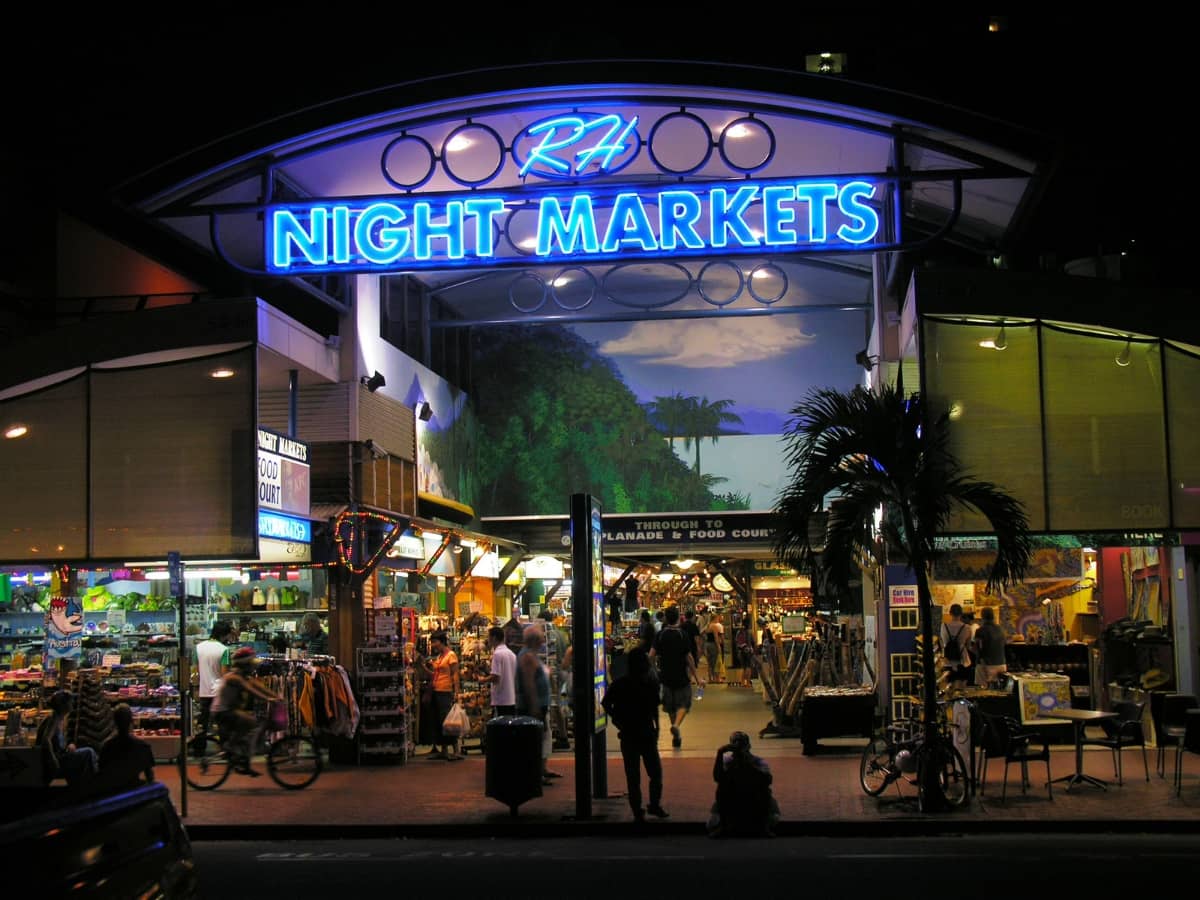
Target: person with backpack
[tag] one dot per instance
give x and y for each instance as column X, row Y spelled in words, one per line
column 955, row 635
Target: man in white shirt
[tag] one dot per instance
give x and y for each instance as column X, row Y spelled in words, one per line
column 211, row 658
column 504, row 674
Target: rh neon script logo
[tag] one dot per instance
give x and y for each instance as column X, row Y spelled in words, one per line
column 567, row 146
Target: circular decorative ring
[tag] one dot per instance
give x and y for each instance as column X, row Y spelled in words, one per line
column 615, row 297
column 712, row 301
column 506, row 230
column 708, row 148
column 763, row 268
column 513, row 300
column 502, row 154
column 591, row 294
column 387, row 151
column 749, row 121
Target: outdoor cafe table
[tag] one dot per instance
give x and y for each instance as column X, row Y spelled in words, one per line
column 1080, row 718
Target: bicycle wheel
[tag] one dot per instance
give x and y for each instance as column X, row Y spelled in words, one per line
column 208, row 770
column 875, row 769
column 294, row 762
column 950, row 773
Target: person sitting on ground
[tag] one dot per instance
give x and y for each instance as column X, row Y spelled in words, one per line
column 62, row 758
column 124, row 759
column 236, row 719
column 745, row 805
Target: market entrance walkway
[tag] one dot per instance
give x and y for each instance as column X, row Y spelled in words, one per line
column 817, row 794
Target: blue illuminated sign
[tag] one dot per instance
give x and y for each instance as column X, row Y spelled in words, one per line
column 284, row 528
column 576, row 225
column 579, row 145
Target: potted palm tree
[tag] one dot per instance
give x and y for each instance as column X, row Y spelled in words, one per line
column 875, row 450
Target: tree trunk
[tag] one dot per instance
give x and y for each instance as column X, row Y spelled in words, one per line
column 931, row 798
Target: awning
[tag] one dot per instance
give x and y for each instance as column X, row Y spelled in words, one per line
column 432, row 506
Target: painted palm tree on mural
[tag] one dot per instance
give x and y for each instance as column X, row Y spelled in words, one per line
column 671, row 414
column 704, row 419
column 877, row 450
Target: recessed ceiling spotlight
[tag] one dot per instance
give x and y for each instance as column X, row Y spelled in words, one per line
column 560, row 281
column 222, row 372
column 16, row 430
column 458, row 142
column 739, row 130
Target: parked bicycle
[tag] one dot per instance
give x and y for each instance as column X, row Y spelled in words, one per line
column 900, row 752
column 293, row 760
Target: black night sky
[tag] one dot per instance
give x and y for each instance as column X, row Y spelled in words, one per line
column 98, row 98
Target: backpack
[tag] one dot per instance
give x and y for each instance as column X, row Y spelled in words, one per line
column 950, row 650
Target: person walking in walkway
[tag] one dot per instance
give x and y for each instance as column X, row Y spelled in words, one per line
column 692, row 630
column 212, row 662
column 632, row 703
column 990, row 638
column 676, row 672
column 442, row 669
column 125, row 759
column 503, row 677
column 714, row 648
column 646, row 630
column 533, row 690
column 954, row 636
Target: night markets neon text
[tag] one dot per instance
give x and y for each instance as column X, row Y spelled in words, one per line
column 430, row 231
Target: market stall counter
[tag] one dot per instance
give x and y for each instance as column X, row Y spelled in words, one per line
column 828, row 712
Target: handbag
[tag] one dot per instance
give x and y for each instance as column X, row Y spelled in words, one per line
column 277, row 715
column 455, row 723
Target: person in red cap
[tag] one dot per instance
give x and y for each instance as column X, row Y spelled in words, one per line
column 236, row 716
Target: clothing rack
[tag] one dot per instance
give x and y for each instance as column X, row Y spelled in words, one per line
column 317, row 693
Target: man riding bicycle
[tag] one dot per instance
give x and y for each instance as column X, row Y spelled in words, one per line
column 236, row 717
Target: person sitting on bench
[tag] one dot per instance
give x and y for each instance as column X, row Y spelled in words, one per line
column 745, row 806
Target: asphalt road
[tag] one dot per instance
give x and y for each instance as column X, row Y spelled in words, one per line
column 664, row 867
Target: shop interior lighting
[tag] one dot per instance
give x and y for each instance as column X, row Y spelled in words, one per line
column 1122, row 359
column 222, row 372
column 999, row 342
column 231, row 574
column 16, row 430
column 684, row 564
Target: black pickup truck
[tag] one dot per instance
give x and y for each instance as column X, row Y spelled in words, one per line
column 55, row 842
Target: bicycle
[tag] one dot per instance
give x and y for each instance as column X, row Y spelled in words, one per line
column 901, row 752
column 293, row 760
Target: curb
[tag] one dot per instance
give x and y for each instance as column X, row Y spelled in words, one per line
column 599, row 828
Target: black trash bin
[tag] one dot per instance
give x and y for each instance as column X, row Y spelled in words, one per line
column 514, row 760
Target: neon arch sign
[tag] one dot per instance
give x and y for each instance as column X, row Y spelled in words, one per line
column 619, row 222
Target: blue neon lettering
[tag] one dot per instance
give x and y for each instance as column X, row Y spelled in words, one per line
column 370, row 233
column 484, row 210
column 849, row 203
column 608, row 146
column 817, row 194
column 341, row 234
column 425, row 230
column 391, row 243
column 543, row 152
column 628, row 225
column 727, row 215
column 678, row 213
column 580, row 226
column 776, row 218
column 286, row 230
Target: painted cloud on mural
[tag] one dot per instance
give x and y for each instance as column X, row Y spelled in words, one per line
column 709, row 343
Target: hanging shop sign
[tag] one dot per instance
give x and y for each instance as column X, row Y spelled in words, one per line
column 767, row 568
column 283, row 538
column 902, row 595
column 283, row 473
column 408, row 546
column 64, row 629
column 621, row 222
column 624, row 531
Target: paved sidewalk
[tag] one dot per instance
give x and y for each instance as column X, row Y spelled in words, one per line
column 817, row 794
